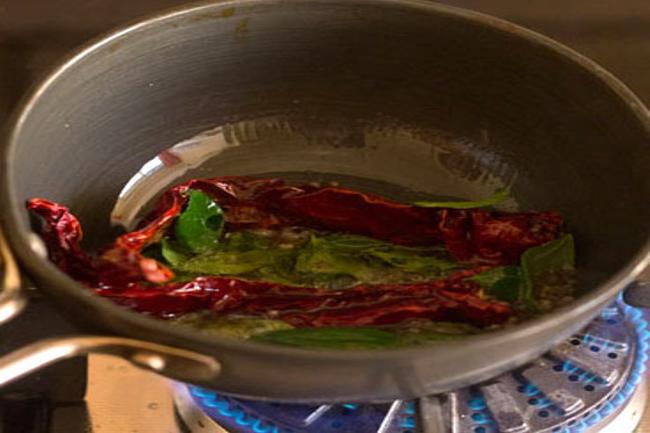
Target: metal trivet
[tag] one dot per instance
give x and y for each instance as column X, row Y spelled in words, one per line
column 579, row 386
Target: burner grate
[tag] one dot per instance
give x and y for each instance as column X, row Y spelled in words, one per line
column 578, row 384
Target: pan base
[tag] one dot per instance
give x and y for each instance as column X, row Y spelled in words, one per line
column 592, row 382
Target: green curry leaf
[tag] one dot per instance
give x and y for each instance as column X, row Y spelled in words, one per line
column 234, row 327
column 504, row 282
column 410, row 262
column 331, row 338
column 244, row 241
column 230, row 262
column 200, row 225
column 324, row 260
column 238, row 253
column 369, row 260
column 320, row 258
column 499, row 196
column 555, row 255
column 172, row 253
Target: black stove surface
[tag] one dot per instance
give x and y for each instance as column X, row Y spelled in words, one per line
column 28, row 405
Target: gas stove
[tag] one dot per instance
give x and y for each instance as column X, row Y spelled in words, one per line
column 594, row 382
column 573, row 388
column 583, row 384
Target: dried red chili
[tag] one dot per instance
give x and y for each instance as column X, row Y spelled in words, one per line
column 472, row 234
column 302, row 306
column 122, row 273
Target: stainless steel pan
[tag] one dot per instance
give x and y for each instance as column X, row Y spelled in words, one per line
column 402, row 92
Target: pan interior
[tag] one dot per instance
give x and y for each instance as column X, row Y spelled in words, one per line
column 358, row 154
column 421, row 101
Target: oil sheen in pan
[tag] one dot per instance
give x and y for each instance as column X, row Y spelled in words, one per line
column 384, row 157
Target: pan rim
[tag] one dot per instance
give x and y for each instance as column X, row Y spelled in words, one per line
column 16, row 229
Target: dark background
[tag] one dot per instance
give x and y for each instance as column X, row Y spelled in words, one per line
column 35, row 34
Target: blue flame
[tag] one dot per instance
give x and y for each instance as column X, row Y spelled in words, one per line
column 636, row 319
column 223, row 407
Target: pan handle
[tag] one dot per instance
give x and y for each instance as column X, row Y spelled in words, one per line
column 637, row 294
column 177, row 363
column 12, row 299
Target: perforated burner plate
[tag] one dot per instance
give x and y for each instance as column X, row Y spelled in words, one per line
column 579, row 386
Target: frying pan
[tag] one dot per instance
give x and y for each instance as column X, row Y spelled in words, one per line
column 403, row 96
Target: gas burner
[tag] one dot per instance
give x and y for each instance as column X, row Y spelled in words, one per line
column 588, row 383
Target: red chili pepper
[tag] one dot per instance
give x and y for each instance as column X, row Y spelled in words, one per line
column 302, row 306
column 445, row 306
column 121, row 263
column 62, row 233
column 122, row 273
column 376, row 305
column 175, row 299
column 502, row 238
column 128, row 264
column 474, row 234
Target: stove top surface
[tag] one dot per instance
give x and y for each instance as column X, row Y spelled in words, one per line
column 123, row 399
column 582, row 390
column 578, row 386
